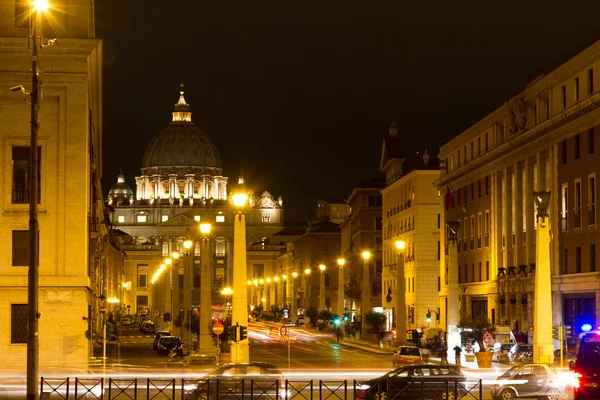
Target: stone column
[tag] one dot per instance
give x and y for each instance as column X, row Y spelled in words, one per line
column 453, row 316
column 530, row 210
column 365, row 306
column 187, row 262
column 518, row 214
column 340, row 293
column 294, row 306
column 240, row 352
column 400, row 298
column 322, row 291
column 206, row 345
column 507, row 211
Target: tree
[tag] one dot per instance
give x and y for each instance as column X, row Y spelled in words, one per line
column 325, row 315
column 375, row 320
column 311, row 312
column 475, row 327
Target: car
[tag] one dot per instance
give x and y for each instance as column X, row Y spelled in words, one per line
column 166, row 344
column 147, row 327
column 407, row 355
column 257, row 379
column 157, row 336
column 586, row 374
column 501, row 352
column 143, row 318
column 527, row 380
column 569, row 356
column 428, row 380
column 127, row 320
column 519, row 351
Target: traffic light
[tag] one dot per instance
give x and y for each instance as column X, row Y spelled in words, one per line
column 568, row 332
column 336, row 321
column 232, row 333
column 346, row 317
column 428, row 316
column 555, row 331
column 243, row 332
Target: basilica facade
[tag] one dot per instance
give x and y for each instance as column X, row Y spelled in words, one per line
column 180, row 187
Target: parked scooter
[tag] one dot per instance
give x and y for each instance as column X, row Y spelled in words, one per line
column 177, row 354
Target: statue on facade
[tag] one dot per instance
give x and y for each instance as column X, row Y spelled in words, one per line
column 171, row 200
column 110, row 199
column 518, row 116
column 266, row 201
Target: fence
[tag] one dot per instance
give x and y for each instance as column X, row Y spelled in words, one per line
column 261, row 389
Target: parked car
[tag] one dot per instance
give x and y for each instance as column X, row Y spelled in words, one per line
column 407, row 355
column 259, row 378
column 143, row 318
column 569, row 356
column 501, row 352
column 430, row 381
column 585, row 372
column 166, row 344
column 157, row 336
column 520, row 352
column 527, row 380
column 147, row 327
column 127, row 320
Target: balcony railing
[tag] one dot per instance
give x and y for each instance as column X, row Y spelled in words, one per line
column 563, row 223
column 577, row 220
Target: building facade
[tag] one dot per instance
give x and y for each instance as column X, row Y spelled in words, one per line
column 72, row 240
column 542, row 139
column 411, row 214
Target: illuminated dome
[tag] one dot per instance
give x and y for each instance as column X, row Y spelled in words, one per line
column 181, row 148
column 120, row 189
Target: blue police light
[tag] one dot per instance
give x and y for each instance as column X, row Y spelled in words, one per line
column 336, row 321
column 586, row 327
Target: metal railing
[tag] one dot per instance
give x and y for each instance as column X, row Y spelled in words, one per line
column 435, row 387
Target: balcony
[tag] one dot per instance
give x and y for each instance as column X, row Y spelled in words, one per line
column 592, row 215
column 577, row 220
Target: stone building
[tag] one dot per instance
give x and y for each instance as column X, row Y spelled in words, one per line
column 70, row 211
column 180, row 187
column 542, row 139
column 411, row 214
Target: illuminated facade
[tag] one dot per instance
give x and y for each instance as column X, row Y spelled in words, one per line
column 541, row 139
column 410, row 213
column 182, row 186
column 72, row 233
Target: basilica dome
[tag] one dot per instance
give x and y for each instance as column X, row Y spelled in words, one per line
column 181, row 148
column 120, row 189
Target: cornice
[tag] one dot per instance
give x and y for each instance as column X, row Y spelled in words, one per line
column 523, row 140
column 63, row 46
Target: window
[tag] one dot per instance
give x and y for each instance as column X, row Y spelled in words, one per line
column 578, row 197
column 487, row 185
column 378, row 223
column 439, row 251
column 592, row 258
column 576, row 89
column 258, row 270
column 378, row 267
column 578, row 259
column 564, row 206
column 472, row 191
column 486, row 142
column 19, row 316
column 439, row 220
column 164, row 218
column 577, row 146
column 458, row 158
column 563, row 151
column 459, row 274
column 565, row 261
column 20, row 249
column 220, row 218
column 465, row 154
column 20, row 179
column 197, row 218
column 479, row 189
column 590, row 81
column 591, row 141
column 142, row 218
column 121, row 219
column 563, row 96
column 479, row 271
column 266, row 218
column 479, row 146
column 452, row 162
column 142, row 275
column 472, row 151
column 592, row 199
column 487, row 270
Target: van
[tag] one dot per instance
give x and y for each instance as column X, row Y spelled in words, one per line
column 587, row 379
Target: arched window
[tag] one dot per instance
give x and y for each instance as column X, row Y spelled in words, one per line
column 220, row 247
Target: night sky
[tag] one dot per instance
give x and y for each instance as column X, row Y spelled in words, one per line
column 298, row 94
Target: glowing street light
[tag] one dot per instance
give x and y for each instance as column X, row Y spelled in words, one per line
column 322, row 267
column 400, row 293
column 366, row 292
column 340, row 305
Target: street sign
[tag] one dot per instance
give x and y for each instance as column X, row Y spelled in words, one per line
column 488, row 338
column 283, row 331
column 217, row 328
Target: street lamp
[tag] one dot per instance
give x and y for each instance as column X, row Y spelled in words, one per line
column 240, row 352
column 400, row 294
column 542, row 320
column 206, row 345
column 366, row 292
column 340, row 304
column 322, row 288
column 294, row 305
column 307, row 288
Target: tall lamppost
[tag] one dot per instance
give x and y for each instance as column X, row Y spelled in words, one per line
column 240, row 352
column 173, row 294
column 307, row 293
column 226, row 293
column 188, row 244
column 542, row 319
column 206, row 345
column 322, row 287
column 270, row 288
column 365, row 306
column 284, row 293
column 400, row 294
column 294, row 306
column 38, row 7
column 340, row 302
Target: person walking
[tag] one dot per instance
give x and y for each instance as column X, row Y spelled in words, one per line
column 457, row 350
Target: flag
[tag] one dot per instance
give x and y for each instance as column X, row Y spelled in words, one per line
column 449, row 195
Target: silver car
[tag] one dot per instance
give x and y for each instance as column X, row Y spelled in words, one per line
column 527, row 380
